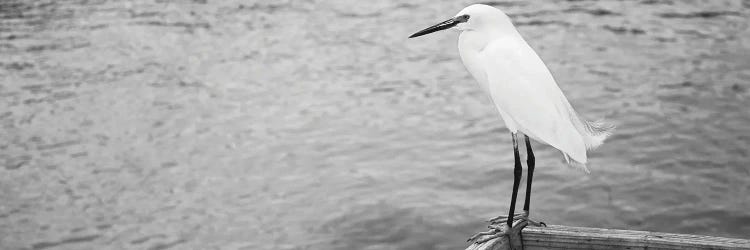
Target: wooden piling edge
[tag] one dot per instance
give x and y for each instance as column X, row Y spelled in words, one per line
column 564, row 237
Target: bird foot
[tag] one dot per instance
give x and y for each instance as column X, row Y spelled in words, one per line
column 497, row 232
column 503, row 218
column 523, row 216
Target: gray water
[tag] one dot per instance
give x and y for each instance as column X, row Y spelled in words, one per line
column 317, row 124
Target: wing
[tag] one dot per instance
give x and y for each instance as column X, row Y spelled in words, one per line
column 522, row 87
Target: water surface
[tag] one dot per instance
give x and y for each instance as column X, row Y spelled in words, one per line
column 318, row 125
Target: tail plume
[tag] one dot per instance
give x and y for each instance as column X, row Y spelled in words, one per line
column 593, row 132
column 576, row 165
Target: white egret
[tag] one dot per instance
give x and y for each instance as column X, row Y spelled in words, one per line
column 525, row 94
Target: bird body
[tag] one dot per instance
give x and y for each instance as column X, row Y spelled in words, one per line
column 521, row 87
column 526, row 96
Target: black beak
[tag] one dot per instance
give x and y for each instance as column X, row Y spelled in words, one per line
column 441, row 26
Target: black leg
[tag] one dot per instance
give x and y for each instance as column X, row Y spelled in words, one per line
column 530, row 167
column 516, row 179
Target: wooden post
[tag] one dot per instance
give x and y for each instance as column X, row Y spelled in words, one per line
column 562, row 237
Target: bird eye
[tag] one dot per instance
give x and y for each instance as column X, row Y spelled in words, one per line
column 463, row 18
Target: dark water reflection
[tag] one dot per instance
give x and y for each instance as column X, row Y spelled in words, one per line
column 317, row 125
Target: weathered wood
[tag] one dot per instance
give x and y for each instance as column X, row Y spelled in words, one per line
column 562, row 237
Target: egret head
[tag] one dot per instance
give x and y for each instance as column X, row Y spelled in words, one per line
column 474, row 17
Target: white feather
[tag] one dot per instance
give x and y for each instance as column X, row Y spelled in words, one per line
column 522, row 88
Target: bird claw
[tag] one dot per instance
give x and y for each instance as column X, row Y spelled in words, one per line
column 494, row 232
column 502, row 218
column 497, row 233
column 536, row 223
column 523, row 216
column 476, row 236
